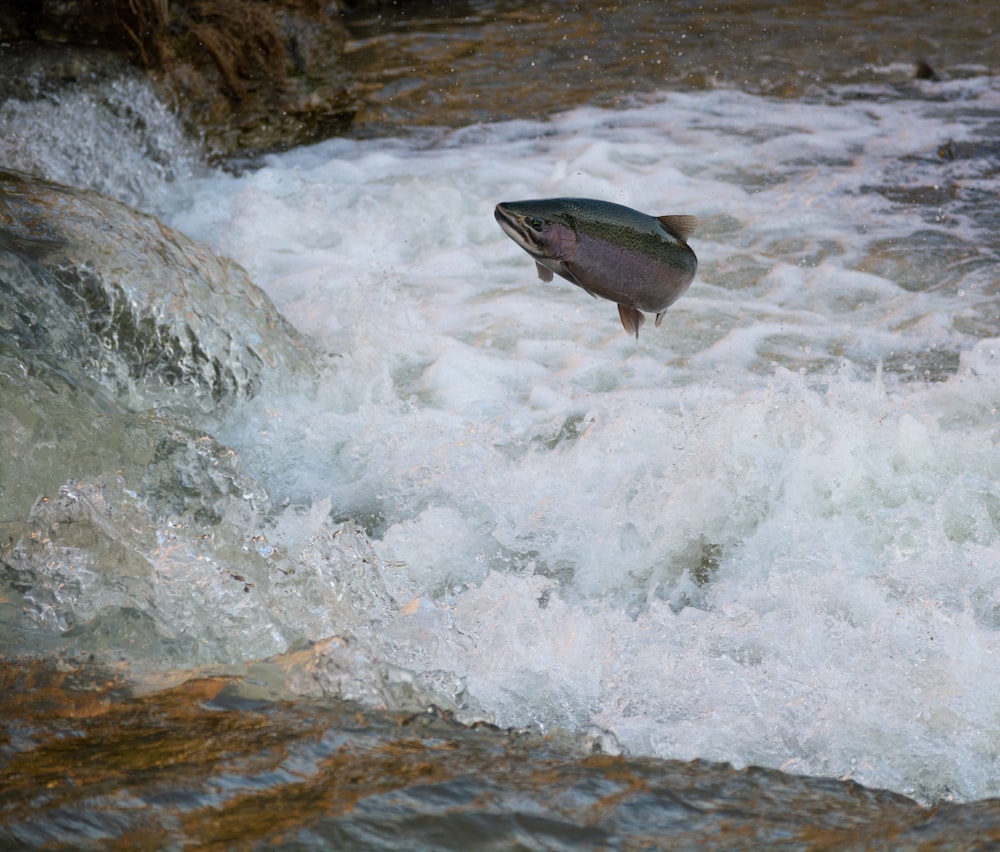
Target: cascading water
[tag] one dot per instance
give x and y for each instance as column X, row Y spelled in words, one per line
column 767, row 533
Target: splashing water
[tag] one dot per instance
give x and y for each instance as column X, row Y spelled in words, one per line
column 767, row 533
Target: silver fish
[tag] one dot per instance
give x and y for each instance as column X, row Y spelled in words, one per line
column 641, row 262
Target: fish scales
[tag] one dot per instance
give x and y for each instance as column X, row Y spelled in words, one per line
column 641, row 262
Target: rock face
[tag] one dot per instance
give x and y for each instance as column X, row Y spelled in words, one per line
column 120, row 518
column 98, row 293
column 245, row 75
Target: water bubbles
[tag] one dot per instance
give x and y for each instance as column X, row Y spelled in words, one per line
column 712, row 542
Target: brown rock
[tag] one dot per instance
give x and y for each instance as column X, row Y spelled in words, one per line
column 245, row 75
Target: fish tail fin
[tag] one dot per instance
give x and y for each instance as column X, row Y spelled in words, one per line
column 632, row 319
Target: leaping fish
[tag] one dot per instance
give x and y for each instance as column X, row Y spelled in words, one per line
column 641, row 262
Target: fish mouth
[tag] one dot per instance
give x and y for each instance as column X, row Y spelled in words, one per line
column 514, row 227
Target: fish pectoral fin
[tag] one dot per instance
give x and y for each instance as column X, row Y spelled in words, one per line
column 680, row 226
column 543, row 272
column 632, row 319
column 659, row 318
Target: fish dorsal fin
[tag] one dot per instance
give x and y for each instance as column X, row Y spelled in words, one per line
column 680, row 226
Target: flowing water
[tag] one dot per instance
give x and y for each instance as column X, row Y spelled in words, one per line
column 766, row 533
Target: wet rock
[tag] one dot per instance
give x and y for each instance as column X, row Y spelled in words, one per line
column 923, row 71
column 255, row 76
column 351, row 777
column 91, row 569
column 98, row 293
column 244, row 75
column 36, row 69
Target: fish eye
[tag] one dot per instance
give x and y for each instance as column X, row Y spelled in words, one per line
column 534, row 223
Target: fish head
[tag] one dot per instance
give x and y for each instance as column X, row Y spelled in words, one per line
column 539, row 227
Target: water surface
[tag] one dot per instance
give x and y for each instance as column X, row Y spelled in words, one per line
column 765, row 534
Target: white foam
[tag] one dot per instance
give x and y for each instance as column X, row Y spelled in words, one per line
column 747, row 537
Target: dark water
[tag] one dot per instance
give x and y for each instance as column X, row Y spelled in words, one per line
column 425, row 64
column 215, row 764
column 90, row 759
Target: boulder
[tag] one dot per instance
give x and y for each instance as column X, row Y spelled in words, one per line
column 103, row 295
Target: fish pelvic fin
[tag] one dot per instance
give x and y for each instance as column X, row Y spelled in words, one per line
column 632, row 319
column 543, row 272
column 679, row 226
column 659, row 318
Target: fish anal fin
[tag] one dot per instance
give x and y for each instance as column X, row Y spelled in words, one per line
column 543, row 272
column 680, row 226
column 659, row 318
column 632, row 319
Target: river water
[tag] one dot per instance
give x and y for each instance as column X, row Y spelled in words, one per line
column 766, row 533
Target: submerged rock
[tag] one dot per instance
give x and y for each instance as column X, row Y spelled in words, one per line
column 98, row 293
column 203, row 764
column 116, row 331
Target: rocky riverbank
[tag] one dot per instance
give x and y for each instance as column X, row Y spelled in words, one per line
column 247, row 76
column 243, row 75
